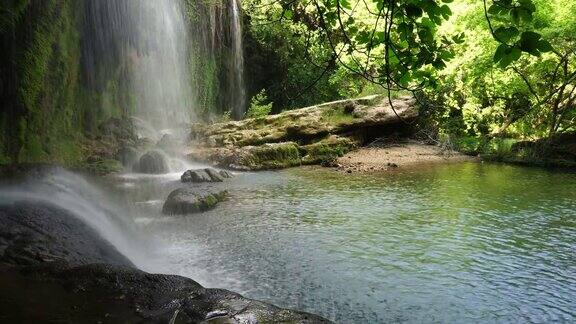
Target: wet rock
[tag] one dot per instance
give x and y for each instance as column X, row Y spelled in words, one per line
column 205, row 175
column 169, row 143
column 153, row 162
column 121, row 129
column 214, row 175
column 127, row 155
column 195, row 176
column 100, row 293
column 34, row 232
column 225, row 174
column 55, row 268
column 103, row 166
column 191, row 200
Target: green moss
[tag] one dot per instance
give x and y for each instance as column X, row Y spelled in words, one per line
column 337, row 115
column 327, row 149
column 50, row 112
column 272, row 156
column 103, row 167
column 210, row 201
column 31, row 151
column 10, row 13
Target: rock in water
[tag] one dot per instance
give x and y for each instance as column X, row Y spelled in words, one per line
column 188, row 201
column 203, row 175
column 153, row 162
column 215, row 175
column 195, row 176
column 225, row 174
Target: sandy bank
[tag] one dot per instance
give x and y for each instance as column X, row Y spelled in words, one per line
column 382, row 157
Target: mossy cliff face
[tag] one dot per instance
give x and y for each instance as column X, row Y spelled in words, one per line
column 47, row 110
column 313, row 135
column 39, row 78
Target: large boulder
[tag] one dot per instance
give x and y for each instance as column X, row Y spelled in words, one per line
column 35, row 232
column 100, row 293
column 191, row 200
column 310, row 124
column 153, row 162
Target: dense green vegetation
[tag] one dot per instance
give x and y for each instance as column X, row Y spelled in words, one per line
column 488, row 69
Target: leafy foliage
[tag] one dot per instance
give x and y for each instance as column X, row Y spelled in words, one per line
column 492, row 68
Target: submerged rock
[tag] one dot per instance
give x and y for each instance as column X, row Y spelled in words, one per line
column 153, row 162
column 190, row 200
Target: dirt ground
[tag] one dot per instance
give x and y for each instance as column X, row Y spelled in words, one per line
column 398, row 155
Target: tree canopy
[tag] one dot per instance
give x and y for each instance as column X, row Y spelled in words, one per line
column 491, row 67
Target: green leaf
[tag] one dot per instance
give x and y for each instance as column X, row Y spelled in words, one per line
column 545, row 46
column 500, row 52
column 505, row 34
column 288, row 14
column 512, row 54
column 446, row 12
column 413, row 11
column 529, row 42
column 345, row 4
column 405, row 79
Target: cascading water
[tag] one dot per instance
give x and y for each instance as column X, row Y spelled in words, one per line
column 169, row 60
column 236, row 78
column 160, row 72
column 147, row 43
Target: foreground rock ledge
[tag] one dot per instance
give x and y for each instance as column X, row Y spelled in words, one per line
column 54, row 268
column 310, row 135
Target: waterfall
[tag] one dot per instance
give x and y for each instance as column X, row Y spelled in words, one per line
column 146, row 42
column 237, row 72
column 160, row 64
column 166, row 61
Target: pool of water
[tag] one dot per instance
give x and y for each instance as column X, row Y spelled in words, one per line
column 456, row 243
